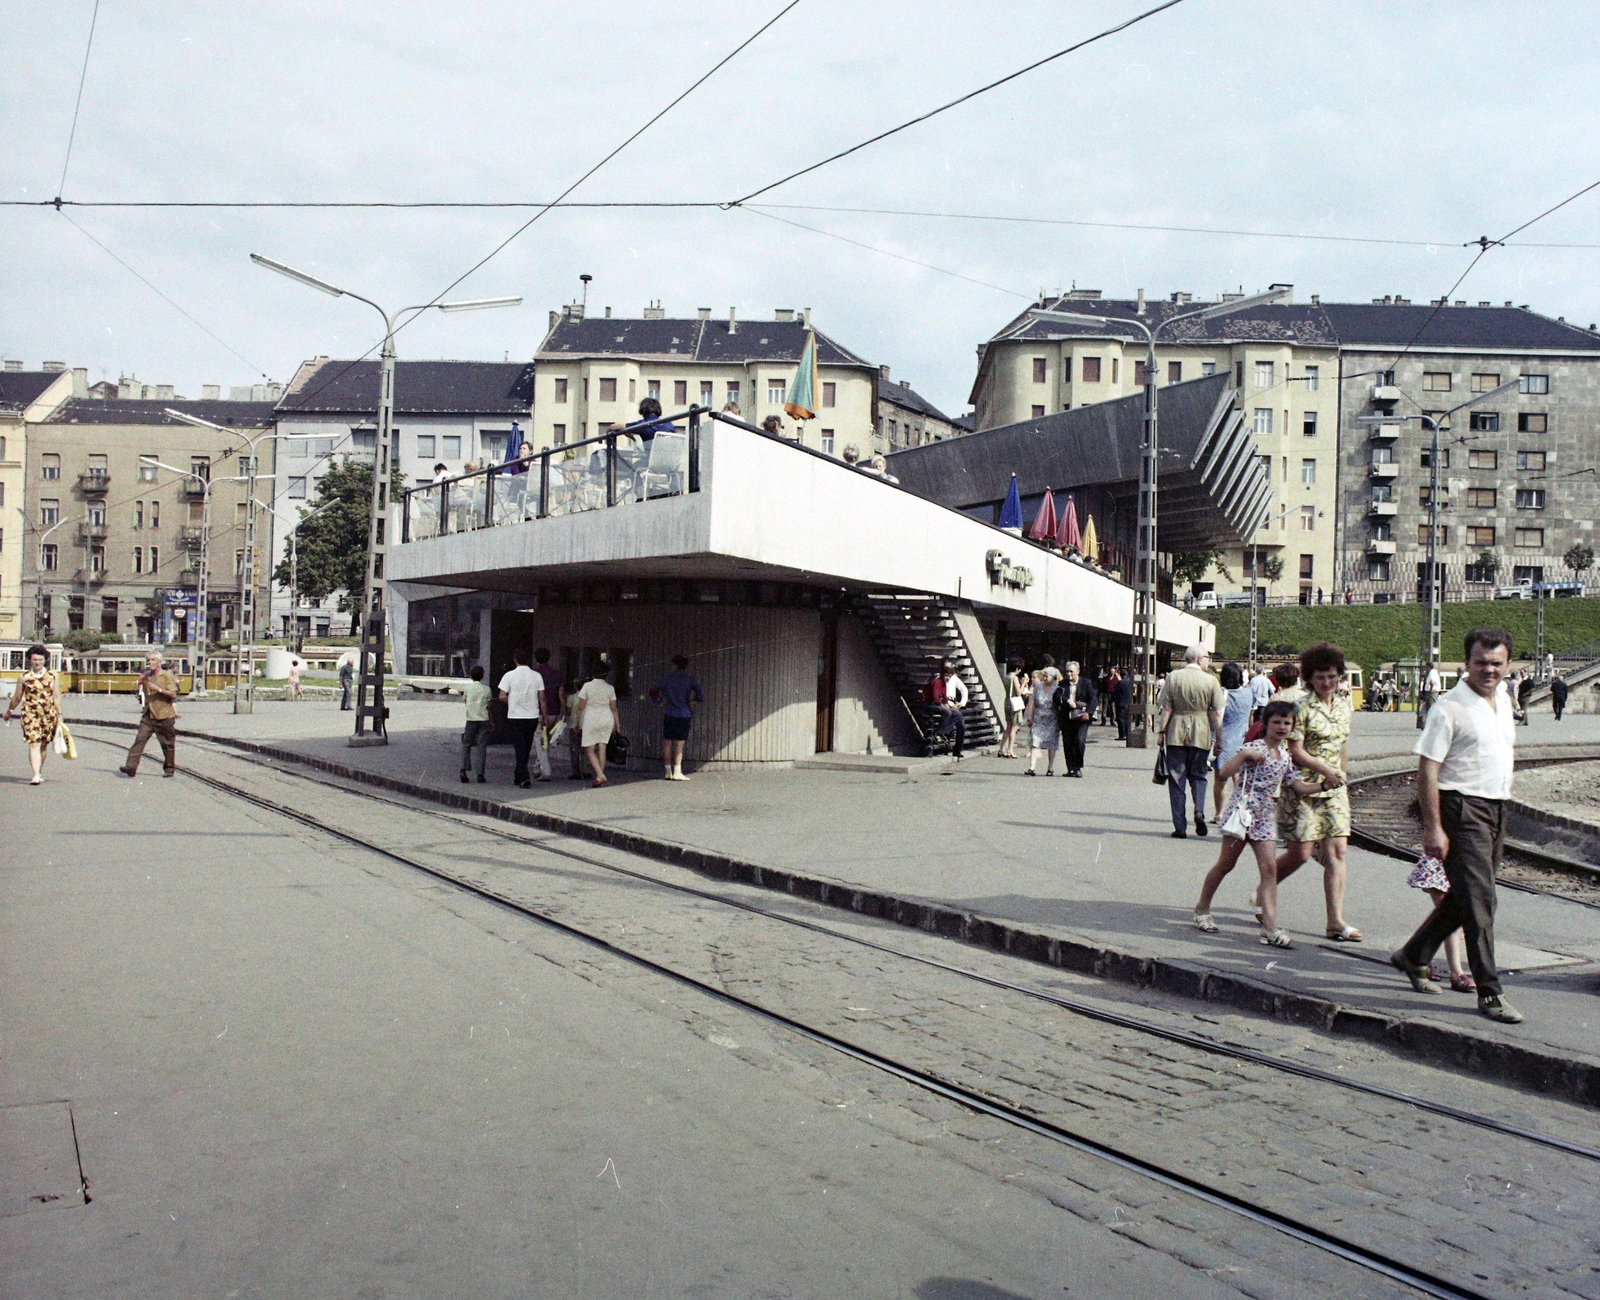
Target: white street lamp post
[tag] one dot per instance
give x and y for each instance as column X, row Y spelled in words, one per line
column 1145, row 589
column 369, row 690
column 294, row 565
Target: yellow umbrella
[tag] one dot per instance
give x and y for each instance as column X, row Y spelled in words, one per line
column 1091, row 542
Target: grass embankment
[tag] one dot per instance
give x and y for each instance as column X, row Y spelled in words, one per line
column 1373, row 634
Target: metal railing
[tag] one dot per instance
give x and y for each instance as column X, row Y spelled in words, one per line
column 644, row 461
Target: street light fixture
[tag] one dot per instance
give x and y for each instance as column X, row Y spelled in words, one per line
column 1144, row 606
column 369, row 691
column 294, row 563
column 1432, row 612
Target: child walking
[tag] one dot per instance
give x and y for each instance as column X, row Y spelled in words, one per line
column 1428, row 876
column 1256, row 790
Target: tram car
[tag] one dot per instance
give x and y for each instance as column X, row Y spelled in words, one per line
column 115, row 669
column 14, row 662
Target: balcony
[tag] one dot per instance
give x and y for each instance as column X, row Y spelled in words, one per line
column 191, row 537
column 95, row 533
column 1383, row 433
column 1385, row 471
column 1380, row 546
column 194, row 487
column 90, row 577
column 94, row 481
column 188, row 578
column 1385, row 395
column 1383, row 509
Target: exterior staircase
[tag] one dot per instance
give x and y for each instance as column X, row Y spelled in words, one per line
column 911, row 633
column 1579, row 664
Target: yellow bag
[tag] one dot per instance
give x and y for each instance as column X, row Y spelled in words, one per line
column 65, row 745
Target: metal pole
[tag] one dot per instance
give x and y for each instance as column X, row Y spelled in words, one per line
column 1430, row 629
column 294, row 591
column 369, row 688
column 197, row 677
column 1144, row 595
column 1255, row 568
column 1538, row 653
column 244, row 676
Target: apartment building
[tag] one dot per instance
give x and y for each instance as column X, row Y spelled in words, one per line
column 594, row 371
column 26, row 398
column 453, row 413
column 906, row 418
column 1284, row 364
column 116, row 502
column 1517, row 476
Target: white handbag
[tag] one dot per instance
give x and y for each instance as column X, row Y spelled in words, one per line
column 1239, row 819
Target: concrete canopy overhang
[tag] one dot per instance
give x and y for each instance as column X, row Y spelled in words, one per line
column 771, row 511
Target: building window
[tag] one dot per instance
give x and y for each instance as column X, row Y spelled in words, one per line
column 1091, row 370
column 1443, row 539
column 1116, row 370
column 1436, row 381
column 1238, row 374
column 1423, row 495
column 1481, row 498
column 1533, row 422
column 1264, row 374
column 708, row 393
column 1530, row 460
column 1534, row 384
column 1263, row 422
column 1484, row 383
column 1141, row 376
column 200, row 468
column 450, row 446
column 138, row 514
column 1308, row 470
column 1382, row 531
column 1207, row 369
column 321, row 447
column 652, row 388
column 49, row 513
column 830, row 394
column 297, row 487
column 1382, row 455
column 108, row 614
column 425, row 445
column 827, row 442
column 680, row 392
column 155, row 558
column 155, row 514
column 733, row 391
column 1483, row 459
column 1479, row 573
column 608, row 390
column 1038, row 413
column 1521, row 573
column 1383, row 492
column 1427, row 458
column 50, row 466
column 1308, row 519
column 1039, row 370
column 1530, row 538
column 1174, row 372
column 1308, row 424
column 558, row 433
column 49, row 557
column 1530, row 498
column 147, row 469
column 97, row 559
column 97, row 514
column 1480, row 535
column 1378, row 569
column 1307, row 565
column 775, row 391
column 561, row 390
column 1484, row 422
column 1313, row 378
column 138, row 559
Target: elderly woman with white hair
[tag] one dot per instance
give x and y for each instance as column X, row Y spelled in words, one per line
column 1191, row 705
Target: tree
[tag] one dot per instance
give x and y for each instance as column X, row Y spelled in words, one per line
column 1579, row 558
column 1272, row 570
column 83, row 640
column 332, row 548
column 1192, row 566
column 1488, row 566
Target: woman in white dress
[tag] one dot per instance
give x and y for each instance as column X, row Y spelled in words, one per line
column 597, row 721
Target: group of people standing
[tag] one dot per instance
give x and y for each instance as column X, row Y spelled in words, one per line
column 1058, row 706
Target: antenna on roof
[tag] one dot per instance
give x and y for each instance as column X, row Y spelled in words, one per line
column 586, row 279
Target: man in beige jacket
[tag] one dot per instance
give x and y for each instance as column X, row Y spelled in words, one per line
column 159, row 690
column 1191, row 705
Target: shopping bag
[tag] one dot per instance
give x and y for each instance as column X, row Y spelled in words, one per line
column 617, row 749
column 1160, row 775
column 65, row 745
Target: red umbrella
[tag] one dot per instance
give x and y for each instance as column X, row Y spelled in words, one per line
column 1044, row 523
column 1067, row 535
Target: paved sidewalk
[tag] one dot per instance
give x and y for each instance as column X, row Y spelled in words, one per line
column 1087, row 861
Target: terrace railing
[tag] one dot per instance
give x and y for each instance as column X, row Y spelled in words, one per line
column 645, row 461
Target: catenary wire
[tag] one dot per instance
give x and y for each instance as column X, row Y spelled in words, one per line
column 77, row 104
column 962, row 99
column 1570, row 198
column 1308, row 1234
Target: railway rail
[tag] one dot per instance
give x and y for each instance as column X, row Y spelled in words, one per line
column 1373, row 1260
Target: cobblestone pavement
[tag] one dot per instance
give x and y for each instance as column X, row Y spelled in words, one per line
column 1492, row 1213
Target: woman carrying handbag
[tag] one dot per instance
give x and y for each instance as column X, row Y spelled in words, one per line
column 1251, row 818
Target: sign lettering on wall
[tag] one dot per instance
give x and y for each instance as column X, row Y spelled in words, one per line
column 1003, row 573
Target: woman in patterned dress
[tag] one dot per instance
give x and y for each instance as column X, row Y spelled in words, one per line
column 39, row 694
column 1044, row 727
column 1317, row 744
column 1262, row 768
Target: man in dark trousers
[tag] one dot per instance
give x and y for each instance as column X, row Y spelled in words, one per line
column 158, row 689
column 949, row 693
column 1123, row 700
column 1464, row 766
column 347, row 680
column 1558, row 696
column 1075, row 704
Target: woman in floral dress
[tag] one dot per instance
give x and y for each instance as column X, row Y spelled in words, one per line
column 1044, row 727
column 1263, row 768
column 39, row 695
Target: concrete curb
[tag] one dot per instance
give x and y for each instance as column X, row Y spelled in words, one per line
column 1534, row 1067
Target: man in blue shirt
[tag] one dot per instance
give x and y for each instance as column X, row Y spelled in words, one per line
column 677, row 692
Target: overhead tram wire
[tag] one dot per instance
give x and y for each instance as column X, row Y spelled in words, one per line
column 962, row 99
column 77, row 105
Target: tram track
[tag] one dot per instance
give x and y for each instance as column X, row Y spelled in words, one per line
column 979, row 1102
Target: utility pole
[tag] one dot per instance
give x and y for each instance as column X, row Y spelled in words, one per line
column 1538, row 651
column 202, row 612
column 1255, row 613
column 1428, row 658
column 244, row 678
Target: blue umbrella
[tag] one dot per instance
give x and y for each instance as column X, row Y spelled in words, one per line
column 514, row 449
column 1011, row 512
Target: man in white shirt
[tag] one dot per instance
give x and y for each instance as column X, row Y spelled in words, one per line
column 1432, row 684
column 521, row 689
column 1262, row 689
column 1463, row 780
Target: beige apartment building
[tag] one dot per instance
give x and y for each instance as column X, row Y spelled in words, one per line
column 26, row 398
column 115, row 497
column 1284, row 361
column 593, row 370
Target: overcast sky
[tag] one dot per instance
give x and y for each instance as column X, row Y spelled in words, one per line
column 1432, row 122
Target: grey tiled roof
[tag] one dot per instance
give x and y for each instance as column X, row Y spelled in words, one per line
column 420, row 387
column 21, row 388
column 89, row 410
column 706, row 341
column 903, row 395
column 1287, row 324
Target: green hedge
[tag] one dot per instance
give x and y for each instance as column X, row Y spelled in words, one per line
column 1373, row 634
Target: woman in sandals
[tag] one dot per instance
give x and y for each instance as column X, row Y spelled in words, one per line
column 1317, row 745
column 39, row 695
column 1262, row 768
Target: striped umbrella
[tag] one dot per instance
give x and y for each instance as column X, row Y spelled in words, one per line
column 1044, row 523
column 1067, row 535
